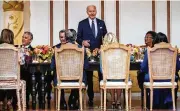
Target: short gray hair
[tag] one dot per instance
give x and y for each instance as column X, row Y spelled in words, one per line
column 30, row 34
column 62, row 31
column 71, row 35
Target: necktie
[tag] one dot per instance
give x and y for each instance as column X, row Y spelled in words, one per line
column 93, row 29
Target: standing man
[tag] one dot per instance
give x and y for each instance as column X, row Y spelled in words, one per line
column 90, row 33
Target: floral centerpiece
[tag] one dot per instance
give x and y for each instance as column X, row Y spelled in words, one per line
column 42, row 53
column 92, row 55
column 137, row 53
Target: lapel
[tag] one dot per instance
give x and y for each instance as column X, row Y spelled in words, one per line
column 30, row 47
column 98, row 27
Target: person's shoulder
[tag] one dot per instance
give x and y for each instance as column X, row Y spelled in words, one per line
column 7, row 45
column 84, row 20
column 79, row 46
column 57, row 45
column 99, row 20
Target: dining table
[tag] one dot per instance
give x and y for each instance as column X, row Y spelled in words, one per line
column 42, row 78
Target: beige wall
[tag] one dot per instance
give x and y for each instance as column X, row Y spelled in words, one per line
column 135, row 21
column 1, row 15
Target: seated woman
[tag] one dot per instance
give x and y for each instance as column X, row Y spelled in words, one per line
column 148, row 40
column 161, row 100
column 149, row 37
column 6, row 40
column 110, row 38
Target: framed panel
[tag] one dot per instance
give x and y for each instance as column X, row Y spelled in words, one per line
column 135, row 21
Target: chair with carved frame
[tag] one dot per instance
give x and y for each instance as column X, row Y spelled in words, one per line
column 115, row 66
column 69, row 67
column 162, row 66
column 10, row 74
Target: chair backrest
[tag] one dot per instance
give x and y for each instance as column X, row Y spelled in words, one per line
column 162, row 62
column 69, row 62
column 10, row 67
column 115, row 61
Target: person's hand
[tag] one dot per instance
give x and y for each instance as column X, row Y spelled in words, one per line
column 99, row 51
column 86, row 43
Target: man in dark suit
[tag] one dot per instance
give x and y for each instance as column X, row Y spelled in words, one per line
column 62, row 39
column 24, row 72
column 90, row 33
column 68, row 36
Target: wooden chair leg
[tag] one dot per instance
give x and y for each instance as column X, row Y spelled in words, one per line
column 126, row 99
column 144, row 98
column 104, row 99
column 173, row 98
column 59, row 98
column 80, row 98
column 24, row 95
column 101, row 98
column 129, row 99
column 56, row 97
column 18, row 99
column 151, row 99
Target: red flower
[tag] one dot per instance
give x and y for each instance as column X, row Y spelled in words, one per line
column 43, row 52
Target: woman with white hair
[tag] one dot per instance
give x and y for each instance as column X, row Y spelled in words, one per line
column 110, row 38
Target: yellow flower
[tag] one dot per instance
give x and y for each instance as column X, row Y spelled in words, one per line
column 135, row 50
column 95, row 52
column 88, row 52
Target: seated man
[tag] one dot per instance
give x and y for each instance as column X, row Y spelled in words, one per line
column 25, row 74
column 24, row 71
column 53, row 68
column 74, row 96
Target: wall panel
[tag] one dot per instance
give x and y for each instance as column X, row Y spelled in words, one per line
column 39, row 22
column 58, row 19
column 135, row 21
column 1, row 16
column 161, row 16
column 110, row 16
column 175, row 23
